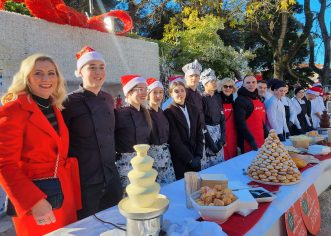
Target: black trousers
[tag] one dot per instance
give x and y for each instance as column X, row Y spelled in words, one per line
column 97, row 197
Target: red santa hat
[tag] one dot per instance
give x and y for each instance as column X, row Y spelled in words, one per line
column 129, row 81
column 84, row 56
column 176, row 78
column 314, row 91
column 317, row 84
column 153, row 83
column 259, row 77
column 320, row 89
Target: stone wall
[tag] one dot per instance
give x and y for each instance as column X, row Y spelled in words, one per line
column 21, row 36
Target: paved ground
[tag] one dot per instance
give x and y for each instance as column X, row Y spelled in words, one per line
column 6, row 228
column 325, row 205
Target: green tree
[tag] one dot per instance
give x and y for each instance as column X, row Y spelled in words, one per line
column 196, row 38
column 270, row 20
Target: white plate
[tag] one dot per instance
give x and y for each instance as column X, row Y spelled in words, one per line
column 272, row 183
column 259, row 191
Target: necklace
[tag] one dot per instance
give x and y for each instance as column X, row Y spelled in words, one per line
column 46, row 107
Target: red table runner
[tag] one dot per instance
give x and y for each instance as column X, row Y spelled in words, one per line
column 323, row 157
column 231, row 228
column 247, row 222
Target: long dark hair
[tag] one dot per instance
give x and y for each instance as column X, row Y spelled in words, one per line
column 148, row 117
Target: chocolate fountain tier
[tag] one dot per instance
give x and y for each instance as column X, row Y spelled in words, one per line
column 325, row 120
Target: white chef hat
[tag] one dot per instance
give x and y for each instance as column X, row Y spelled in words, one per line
column 207, row 75
column 193, row 68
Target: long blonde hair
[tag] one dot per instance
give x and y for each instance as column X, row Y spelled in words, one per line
column 20, row 84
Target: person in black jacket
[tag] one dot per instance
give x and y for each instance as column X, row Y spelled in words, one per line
column 186, row 137
column 89, row 116
column 214, row 121
column 250, row 116
column 133, row 123
column 192, row 75
column 159, row 149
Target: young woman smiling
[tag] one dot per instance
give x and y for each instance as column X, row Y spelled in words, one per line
column 159, row 149
column 133, row 123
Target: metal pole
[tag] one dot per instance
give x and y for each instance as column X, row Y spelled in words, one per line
column 90, row 3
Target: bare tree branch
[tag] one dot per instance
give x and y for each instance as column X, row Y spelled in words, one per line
column 306, row 31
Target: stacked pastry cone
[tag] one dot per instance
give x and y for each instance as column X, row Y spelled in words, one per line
column 273, row 163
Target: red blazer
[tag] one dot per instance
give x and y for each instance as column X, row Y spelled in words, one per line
column 29, row 146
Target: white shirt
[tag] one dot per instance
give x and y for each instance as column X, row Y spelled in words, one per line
column 187, row 117
column 297, row 107
column 317, row 106
column 267, row 96
column 276, row 115
column 293, row 112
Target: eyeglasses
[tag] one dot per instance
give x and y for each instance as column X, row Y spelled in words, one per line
column 228, row 86
column 140, row 90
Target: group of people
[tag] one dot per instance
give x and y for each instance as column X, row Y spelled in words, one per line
column 88, row 142
column 292, row 116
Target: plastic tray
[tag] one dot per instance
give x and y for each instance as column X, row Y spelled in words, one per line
column 259, row 192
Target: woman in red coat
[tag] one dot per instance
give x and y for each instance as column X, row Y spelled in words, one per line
column 33, row 137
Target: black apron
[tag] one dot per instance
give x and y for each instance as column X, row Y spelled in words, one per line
column 287, row 116
column 302, row 117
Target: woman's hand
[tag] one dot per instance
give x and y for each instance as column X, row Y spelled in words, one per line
column 42, row 213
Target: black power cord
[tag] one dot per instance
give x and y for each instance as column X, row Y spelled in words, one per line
column 106, row 222
column 162, row 232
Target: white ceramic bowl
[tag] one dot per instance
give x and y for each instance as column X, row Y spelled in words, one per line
column 217, row 214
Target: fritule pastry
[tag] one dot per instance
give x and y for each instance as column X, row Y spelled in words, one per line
column 273, row 163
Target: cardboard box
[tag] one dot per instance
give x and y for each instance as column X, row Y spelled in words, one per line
column 211, row 180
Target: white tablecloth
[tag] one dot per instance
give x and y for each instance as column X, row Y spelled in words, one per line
column 177, row 211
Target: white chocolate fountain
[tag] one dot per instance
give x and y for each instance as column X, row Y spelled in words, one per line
column 144, row 206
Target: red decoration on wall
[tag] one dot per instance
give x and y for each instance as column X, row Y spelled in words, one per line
column 97, row 22
column 2, row 4
column 45, row 9
column 72, row 17
column 57, row 11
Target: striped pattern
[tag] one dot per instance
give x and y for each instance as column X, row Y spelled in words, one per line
column 50, row 115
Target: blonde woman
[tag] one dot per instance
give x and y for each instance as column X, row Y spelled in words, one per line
column 227, row 89
column 34, row 145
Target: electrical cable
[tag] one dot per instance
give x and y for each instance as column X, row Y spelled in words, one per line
column 106, row 222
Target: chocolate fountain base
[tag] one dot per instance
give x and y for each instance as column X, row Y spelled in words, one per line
column 144, row 221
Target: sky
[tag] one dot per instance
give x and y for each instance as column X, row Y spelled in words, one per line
column 319, row 48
